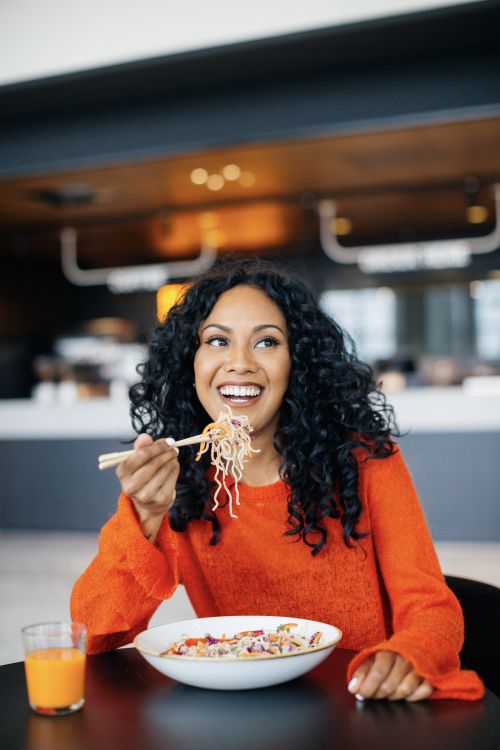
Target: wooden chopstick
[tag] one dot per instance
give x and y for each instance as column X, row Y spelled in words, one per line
column 108, row 460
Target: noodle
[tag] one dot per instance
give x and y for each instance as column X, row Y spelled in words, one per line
column 230, row 447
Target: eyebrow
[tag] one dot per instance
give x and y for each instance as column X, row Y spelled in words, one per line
column 226, row 329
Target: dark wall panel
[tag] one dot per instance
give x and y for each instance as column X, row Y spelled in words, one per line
column 458, row 479
column 55, row 484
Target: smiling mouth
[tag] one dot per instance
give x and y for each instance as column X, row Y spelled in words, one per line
column 239, row 394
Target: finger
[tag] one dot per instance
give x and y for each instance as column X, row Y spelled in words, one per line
column 140, row 444
column 147, row 451
column 400, row 669
column 406, row 687
column 165, row 491
column 133, row 480
column 144, row 450
column 379, row 671
column 142, row 441
column 171, row 442
column 135, row 484
column 159, row 491
column 360, row 674
column 423, row 692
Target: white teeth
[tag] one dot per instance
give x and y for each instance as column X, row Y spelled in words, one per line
column 239, row 390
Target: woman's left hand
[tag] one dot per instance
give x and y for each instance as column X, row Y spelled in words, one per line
column 391, row 676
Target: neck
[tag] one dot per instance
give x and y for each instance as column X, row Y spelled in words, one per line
column 263, row 468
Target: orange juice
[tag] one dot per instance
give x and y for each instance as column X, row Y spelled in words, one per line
column 55, row 677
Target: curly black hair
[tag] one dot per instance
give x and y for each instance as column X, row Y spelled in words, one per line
column 332, row 407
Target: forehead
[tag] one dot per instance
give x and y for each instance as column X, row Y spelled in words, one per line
column 248, row 303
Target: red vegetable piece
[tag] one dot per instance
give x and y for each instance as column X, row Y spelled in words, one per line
column 195, row 641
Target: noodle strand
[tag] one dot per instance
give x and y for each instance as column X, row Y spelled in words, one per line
column 230, row 447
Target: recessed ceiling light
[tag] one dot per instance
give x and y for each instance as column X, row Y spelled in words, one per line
column 215, row 182
column 341, row 226
column 231, row 172
column 199, row 176
column 476, row 214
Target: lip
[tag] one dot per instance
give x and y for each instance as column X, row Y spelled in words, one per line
column 244, row 383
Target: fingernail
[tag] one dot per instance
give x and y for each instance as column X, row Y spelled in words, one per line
column 353, row 685
column 359, row 697
column 170, row 441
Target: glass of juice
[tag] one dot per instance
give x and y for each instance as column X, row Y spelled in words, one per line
column 55, row 666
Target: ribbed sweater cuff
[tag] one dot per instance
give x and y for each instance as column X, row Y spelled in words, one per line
column 447, row 681
column 154, row 568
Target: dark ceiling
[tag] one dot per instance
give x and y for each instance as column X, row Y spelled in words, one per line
column 397, row 120
column 391, row 185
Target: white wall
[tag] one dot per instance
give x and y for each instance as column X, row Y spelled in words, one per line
column 40, row 38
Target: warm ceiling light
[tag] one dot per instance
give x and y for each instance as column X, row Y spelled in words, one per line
column 231, row 172
column 214, row 238
column 199, row 176
column 167, row 296
column 215, row 182
column 476, row 214
column 247, row 179
column 341, row 226
column 208, row 220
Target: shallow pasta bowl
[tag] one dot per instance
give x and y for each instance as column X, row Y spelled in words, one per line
column 234, row 673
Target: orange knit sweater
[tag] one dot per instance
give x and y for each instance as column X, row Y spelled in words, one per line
column 386, row 593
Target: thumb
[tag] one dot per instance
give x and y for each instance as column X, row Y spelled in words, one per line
column 143, row 440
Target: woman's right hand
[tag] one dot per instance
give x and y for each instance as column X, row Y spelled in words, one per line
column 149, row 477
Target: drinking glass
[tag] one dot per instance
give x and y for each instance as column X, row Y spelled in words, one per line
column 55, row 666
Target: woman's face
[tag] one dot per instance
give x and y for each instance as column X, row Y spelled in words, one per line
column 243, row 359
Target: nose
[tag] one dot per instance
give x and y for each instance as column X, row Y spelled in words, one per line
column 240, row 359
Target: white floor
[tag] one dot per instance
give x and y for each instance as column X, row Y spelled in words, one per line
column 38, row 569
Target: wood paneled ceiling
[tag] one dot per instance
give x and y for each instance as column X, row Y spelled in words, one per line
column 391, row 185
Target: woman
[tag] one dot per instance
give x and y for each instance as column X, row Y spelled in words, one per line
column 329, row 526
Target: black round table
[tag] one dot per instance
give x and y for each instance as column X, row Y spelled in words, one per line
column 131, row 706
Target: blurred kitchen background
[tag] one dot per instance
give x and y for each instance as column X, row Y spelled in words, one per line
column 359, row 146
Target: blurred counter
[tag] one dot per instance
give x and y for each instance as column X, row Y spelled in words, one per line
column 450, row 409
column 49, row 477
column 26, row 419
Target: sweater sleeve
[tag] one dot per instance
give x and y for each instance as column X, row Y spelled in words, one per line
column 126, row 582
column 427, row 621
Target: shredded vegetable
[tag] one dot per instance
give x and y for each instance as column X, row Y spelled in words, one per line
column 230, row 447
column 247, row 644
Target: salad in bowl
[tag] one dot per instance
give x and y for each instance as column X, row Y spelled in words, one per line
column 238, row 652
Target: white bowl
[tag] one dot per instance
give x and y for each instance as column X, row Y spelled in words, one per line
column 233, row 673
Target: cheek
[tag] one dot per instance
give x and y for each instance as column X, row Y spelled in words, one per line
column 204, row 367
column 281, row 375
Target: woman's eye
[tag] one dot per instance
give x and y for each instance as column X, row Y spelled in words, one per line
column 267, row 342
column 217, row 341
